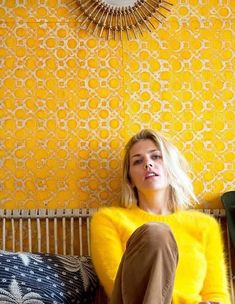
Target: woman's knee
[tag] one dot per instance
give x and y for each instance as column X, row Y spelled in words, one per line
column 153, row 235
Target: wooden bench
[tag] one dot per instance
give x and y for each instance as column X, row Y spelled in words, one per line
column 67, row 232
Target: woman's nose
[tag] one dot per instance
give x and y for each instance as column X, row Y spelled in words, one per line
column 148, row 165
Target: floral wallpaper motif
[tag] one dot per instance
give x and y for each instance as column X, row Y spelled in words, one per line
column 69, row 101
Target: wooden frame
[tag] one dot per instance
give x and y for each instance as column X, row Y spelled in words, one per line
column 67, row 232
column 64, row 231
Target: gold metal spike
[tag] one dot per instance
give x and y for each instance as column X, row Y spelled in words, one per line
column 117, row 22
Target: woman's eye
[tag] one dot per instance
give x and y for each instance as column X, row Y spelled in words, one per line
column 157, row 156
column 137, row 162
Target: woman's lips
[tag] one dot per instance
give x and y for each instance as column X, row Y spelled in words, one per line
column 150, row 175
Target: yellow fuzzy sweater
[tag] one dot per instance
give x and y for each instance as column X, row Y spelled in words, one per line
column 201, row 271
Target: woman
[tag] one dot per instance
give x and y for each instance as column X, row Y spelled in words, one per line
column 151, row 250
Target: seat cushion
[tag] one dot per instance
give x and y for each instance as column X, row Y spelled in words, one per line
column 46, row 278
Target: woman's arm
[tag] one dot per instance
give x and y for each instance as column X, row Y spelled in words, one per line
column 215, row 286
column 106, row 249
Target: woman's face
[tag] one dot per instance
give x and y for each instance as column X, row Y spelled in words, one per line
column 147, row 171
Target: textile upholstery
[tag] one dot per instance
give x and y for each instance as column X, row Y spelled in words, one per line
column 46, row 278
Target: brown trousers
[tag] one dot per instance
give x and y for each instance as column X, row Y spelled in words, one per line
column 147, row 270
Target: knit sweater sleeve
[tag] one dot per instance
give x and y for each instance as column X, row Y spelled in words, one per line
column 215, row 287
column 106, row 249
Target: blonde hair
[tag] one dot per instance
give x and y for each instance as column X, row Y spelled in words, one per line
column 181, row 190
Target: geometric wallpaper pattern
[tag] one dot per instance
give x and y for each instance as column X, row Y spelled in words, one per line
column 70, row 100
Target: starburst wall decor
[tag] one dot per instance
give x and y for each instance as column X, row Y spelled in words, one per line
column 116, row 19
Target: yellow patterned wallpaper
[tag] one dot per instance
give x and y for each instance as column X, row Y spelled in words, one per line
column 69, row 101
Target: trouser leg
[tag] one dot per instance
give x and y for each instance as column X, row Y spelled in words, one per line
column 147, row 270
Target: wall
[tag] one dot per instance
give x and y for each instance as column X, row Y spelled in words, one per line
column 69, row 101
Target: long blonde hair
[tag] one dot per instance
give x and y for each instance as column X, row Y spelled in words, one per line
column 181, row 190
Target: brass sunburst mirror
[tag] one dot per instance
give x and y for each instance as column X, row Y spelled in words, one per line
column 116, row 19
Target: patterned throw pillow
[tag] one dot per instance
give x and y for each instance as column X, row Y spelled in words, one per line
column 46, row 279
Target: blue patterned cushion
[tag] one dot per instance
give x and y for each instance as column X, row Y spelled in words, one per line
column 46, row 279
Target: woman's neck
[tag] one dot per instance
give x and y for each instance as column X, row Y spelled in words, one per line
column 155, row 202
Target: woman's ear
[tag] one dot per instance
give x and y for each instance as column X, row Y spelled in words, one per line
column 131, row 183
column 133, row 186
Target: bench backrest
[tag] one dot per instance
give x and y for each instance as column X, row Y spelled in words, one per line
column 64, row 231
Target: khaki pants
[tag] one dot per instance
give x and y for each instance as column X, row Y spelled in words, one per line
column 147, row 270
